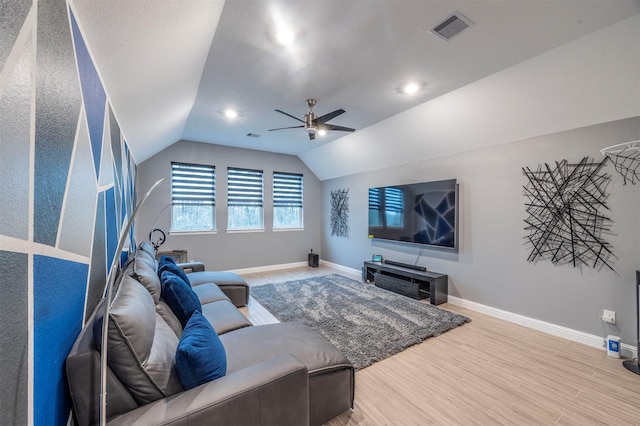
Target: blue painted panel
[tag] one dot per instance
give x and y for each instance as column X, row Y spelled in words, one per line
column 116, row 148
column 92, row 93
column 58, row 302
column 112, row 225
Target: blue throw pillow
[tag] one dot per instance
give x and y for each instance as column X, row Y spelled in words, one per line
column 168, row 264
column 200, row 356
column 179, row 296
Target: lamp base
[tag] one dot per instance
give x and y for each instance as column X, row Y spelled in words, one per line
column 632, row 365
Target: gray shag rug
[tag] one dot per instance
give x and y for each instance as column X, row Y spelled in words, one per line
column 367, row 323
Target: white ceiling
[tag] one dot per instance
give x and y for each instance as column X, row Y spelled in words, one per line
column 171, row 67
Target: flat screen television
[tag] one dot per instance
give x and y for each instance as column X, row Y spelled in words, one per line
column 420, row 213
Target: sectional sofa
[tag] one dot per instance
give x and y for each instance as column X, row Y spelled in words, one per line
column 277, row 374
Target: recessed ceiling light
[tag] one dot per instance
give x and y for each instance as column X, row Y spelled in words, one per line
column 411, row 88
column 230, row 113
column 285, row 37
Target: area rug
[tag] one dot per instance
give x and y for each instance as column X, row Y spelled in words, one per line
column 367, row 323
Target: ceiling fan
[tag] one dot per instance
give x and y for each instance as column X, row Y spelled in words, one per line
column 313, row 124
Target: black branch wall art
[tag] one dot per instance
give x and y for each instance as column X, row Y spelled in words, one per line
column 340, row 213
column 565, row 205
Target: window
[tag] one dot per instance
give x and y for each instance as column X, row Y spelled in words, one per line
column 245, row 198
column 193, row 197
column 287, row 200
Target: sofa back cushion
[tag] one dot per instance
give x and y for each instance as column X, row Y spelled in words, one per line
column 141, row 345
column 167, row 314
column 147, row 276
column 146, row 248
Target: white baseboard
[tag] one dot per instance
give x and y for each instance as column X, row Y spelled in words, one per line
column 592, row 340
column 269, row 268
column 346, row 269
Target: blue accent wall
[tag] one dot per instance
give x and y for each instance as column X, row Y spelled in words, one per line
column 92, row 93
column 56, row 325
column 50, row 264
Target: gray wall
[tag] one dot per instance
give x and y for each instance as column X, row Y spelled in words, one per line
column 224, row 250
column 491, row 265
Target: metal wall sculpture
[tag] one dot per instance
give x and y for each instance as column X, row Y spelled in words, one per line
column 340, row 213
column 565, row 223
column 626, row 160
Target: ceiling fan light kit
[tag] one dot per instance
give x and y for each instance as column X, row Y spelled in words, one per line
column 314, row 124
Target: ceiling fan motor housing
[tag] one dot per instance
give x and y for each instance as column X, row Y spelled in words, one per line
column 309, row 123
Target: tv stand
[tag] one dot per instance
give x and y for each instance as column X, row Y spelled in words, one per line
column 408, row 281
column 405, row 265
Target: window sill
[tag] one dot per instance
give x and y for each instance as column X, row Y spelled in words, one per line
column 244, row 231
column 286, row 229
column 213, row 231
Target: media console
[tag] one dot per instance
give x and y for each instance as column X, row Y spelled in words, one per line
column 408, row 281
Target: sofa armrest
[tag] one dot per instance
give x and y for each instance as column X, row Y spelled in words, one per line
column 274, row 392
column 192, row 267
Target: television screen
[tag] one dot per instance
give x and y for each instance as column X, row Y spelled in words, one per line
column 421, row 213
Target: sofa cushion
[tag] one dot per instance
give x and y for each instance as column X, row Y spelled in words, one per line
column 169, row 317
column 216, row 277
column 168, row 264
column 147, row 276
column 147, row 254
column 146, row 247
column 141, row 346
column 252, row 345
column 200, row 356
column 224, row 316
column 208, row 293
column 179, row 296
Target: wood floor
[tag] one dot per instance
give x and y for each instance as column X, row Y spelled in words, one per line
column 487, row 372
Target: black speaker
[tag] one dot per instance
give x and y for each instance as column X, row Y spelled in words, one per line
column 314, row 260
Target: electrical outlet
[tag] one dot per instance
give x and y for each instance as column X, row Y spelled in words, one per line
column 609, row 317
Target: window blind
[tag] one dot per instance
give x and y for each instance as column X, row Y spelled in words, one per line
column 193, row 184
column 244, row 187
column 287, row 190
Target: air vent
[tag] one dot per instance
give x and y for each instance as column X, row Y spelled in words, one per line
column 451, row 27
column 253, row 135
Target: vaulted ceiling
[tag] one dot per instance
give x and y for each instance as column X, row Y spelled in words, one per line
column 172, row 67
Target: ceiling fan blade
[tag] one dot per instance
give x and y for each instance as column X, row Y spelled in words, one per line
column 329, row 116
column 289, row 115
column 340, row 128
column 283, row 128
column 312, row 136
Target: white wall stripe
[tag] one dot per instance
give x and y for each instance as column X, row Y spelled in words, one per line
column 29, row 247
column 32, row 18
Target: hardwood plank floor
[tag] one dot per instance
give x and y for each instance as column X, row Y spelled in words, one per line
column 487, row 372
